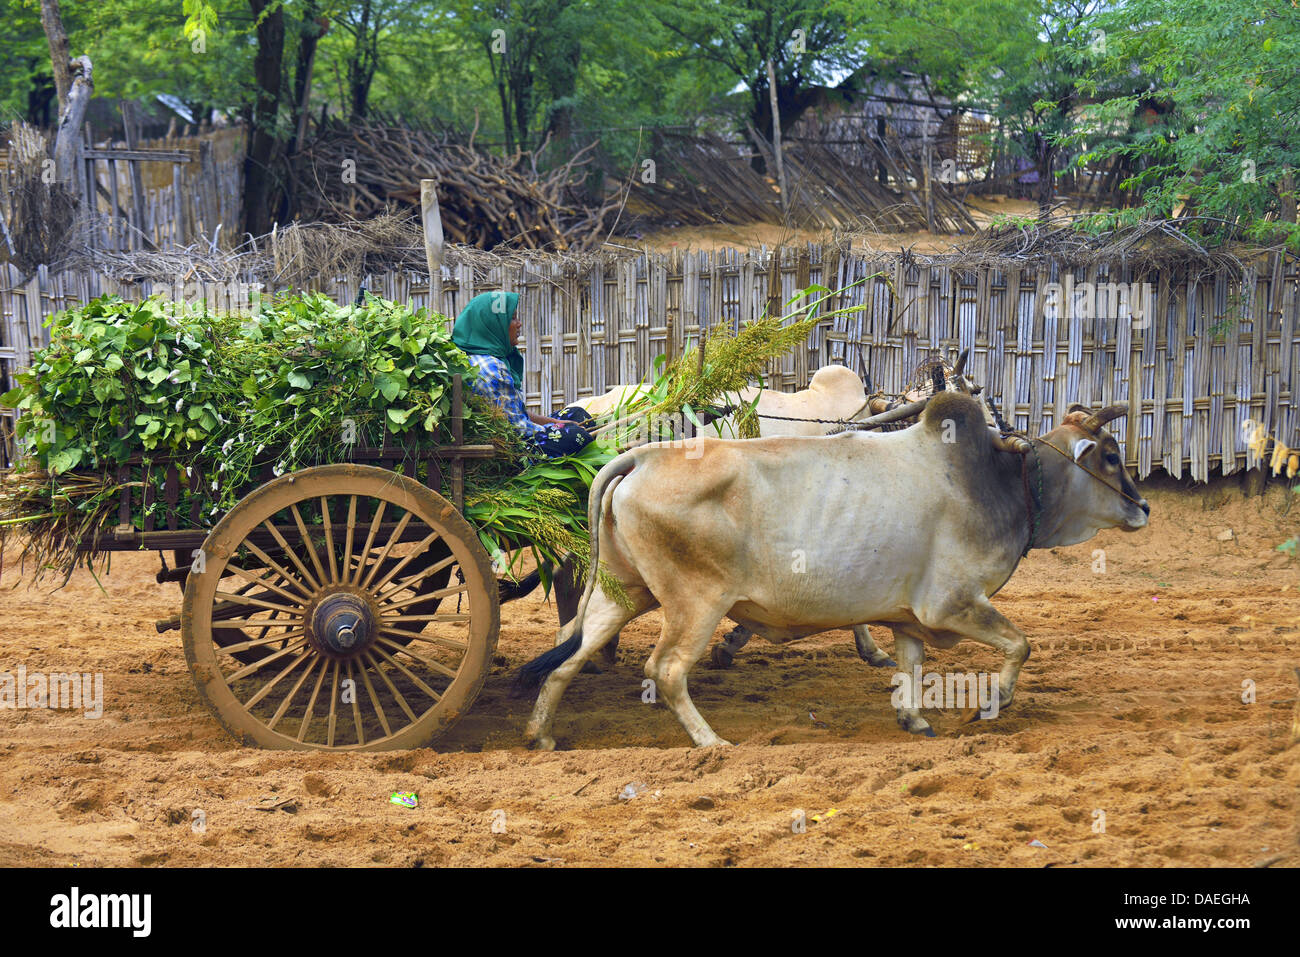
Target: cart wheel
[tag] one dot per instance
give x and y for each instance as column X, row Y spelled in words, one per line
column 326, row 574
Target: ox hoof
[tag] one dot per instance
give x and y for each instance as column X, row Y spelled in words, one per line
column 882, row 660
column 915, row 725
column 716, row 743
column 721, row 657
column 542, row 744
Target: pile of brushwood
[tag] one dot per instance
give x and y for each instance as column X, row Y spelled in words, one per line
column 124, row 386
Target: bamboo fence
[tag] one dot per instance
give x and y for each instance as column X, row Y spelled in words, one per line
column 1210, row 350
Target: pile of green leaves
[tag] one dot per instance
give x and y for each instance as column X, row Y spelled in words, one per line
column 303, row 377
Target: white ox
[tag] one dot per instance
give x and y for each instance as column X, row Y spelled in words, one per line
column 913, row 530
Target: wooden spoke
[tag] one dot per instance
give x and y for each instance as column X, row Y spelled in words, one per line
column 409, row 674
column 311, row 704
column 279, row 569
column 234, row 599
column 293, row 692
column 236, row 648
column 431, row 665
column 447, row 616
column 388, row 547
column 256, row 623
column 356, row 708
column 334, row 703
column 347, row 545
column 423, row 596
column 417, row 551
column 450, row 643
column 257, row 666
column 418, row 577
column 306, row 540
column 329, row 540
column 374, row 699
column 392, row 688
column 293, row 556
column 266, row 688
column 261, row 632
column 264, row 581
column 370, row 541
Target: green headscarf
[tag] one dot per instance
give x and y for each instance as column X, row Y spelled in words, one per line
column 483, row 329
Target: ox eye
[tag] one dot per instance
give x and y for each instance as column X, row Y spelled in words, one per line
column 1112, row 458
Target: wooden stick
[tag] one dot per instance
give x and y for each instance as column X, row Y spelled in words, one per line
column 776, row 138
column 433, row 242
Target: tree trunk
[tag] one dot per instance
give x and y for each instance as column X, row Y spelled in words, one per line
column 523, row 97
column 361, row 66
column 263, row 139
column 1046, row 184
column 67, row 142
column 776, row 138
column 506, row 123
column 60, row 59
column 1286, row 193
column 313, row 29
column 564, row 87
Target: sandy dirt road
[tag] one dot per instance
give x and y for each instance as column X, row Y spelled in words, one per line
column 1131, row 707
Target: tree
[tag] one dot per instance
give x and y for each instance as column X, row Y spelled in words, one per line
column 1226, row 148
column 810, row 43
column 1020, row 59
column 533, row 49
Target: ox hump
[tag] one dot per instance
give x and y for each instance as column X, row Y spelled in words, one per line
column 838, row 380
column 957, row 421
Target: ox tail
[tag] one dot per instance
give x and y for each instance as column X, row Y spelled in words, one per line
column 531, row 675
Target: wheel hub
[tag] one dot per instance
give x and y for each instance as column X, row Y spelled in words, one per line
column 341, row 624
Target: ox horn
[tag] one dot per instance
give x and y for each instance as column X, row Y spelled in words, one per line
column 960, row 365
column 1097, row 420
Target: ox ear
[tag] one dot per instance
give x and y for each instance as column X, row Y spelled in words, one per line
column 1082, row 447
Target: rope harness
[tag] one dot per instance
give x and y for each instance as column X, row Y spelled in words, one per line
column 794, row 418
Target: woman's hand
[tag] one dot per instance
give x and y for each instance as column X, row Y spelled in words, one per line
column 540, row 419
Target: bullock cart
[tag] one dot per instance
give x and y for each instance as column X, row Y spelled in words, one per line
column 346, row 606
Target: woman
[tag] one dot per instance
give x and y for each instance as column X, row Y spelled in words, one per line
column 487, row 331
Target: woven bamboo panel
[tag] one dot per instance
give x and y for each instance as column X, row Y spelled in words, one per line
column 1195, row 354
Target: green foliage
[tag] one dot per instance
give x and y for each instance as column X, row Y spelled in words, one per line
column 1223, row 144
column 124, row 384
column 1018, row 59
column 1012, row 221
column 1292, row 545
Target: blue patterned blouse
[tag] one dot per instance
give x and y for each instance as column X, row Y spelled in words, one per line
column 495, row 383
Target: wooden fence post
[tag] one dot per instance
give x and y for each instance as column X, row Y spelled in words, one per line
column 433, row 242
